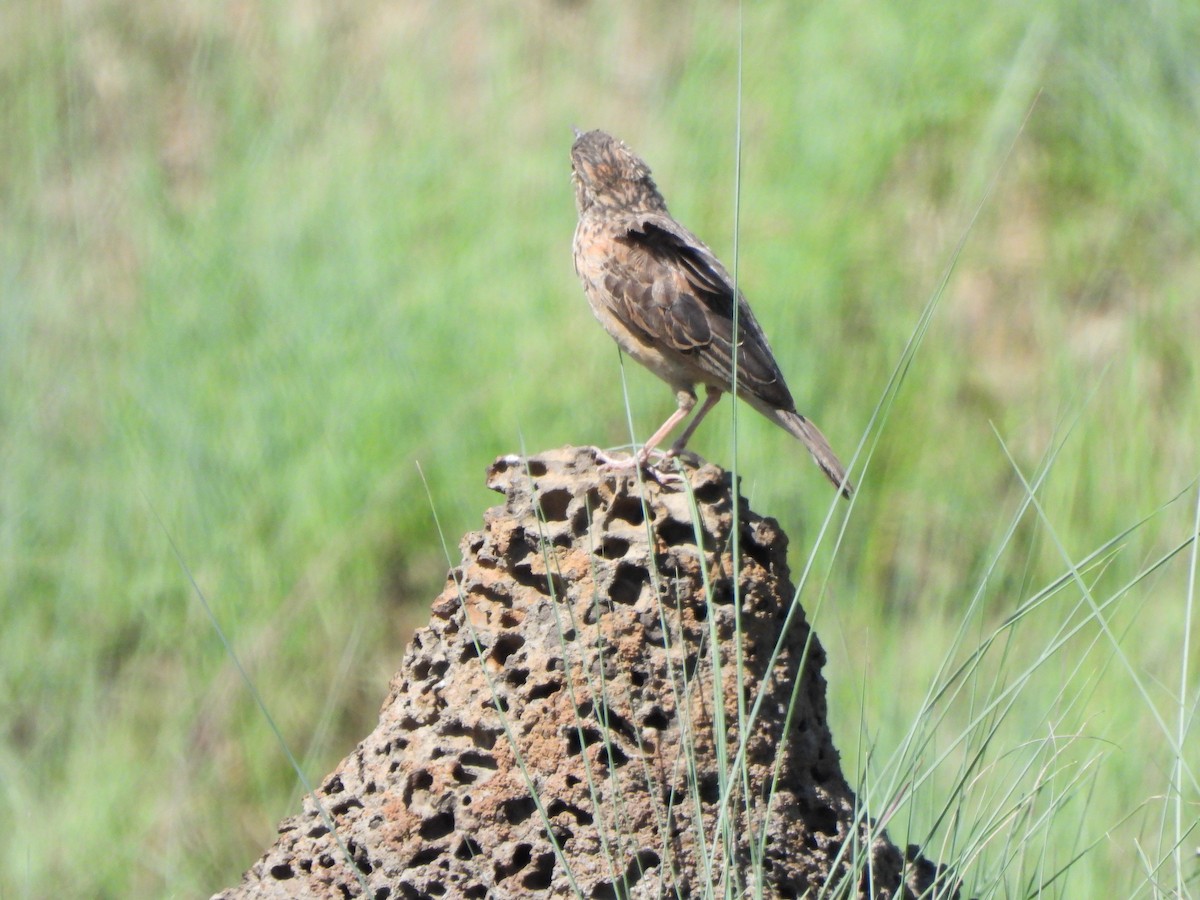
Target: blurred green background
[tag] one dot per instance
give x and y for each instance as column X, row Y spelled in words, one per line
column 260, row 260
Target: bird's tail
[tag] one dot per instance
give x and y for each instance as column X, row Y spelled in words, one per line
column 822, row 453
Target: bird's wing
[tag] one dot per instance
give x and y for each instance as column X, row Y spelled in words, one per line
column 666, row 284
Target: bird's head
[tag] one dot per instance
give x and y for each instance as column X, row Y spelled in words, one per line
column 607, row 174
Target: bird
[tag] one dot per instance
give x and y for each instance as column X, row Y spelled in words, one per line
column 669, row 303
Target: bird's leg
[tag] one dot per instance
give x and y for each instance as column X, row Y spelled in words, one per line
column 687, row 401
column 711, row 397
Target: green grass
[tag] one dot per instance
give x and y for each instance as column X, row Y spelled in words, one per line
column 259, row 261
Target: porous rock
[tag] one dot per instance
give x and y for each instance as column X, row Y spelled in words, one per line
column 553, row 731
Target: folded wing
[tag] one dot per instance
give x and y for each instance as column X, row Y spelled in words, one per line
column 666, row 284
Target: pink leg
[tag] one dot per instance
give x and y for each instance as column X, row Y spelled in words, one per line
column 711, row 398
column 686, row 401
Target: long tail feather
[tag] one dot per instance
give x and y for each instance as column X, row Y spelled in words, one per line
column 808, row 434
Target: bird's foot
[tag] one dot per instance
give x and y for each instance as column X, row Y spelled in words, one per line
column 615, row 462
column 641, row 459
column 662, row 476
column 680, row 451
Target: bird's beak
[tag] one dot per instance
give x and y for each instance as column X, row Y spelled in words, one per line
column 578, row 133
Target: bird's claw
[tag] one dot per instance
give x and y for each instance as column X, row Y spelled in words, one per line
column 615, row 462
column 641, row 459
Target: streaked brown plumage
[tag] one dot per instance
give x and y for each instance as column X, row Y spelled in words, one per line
column 668, row 301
